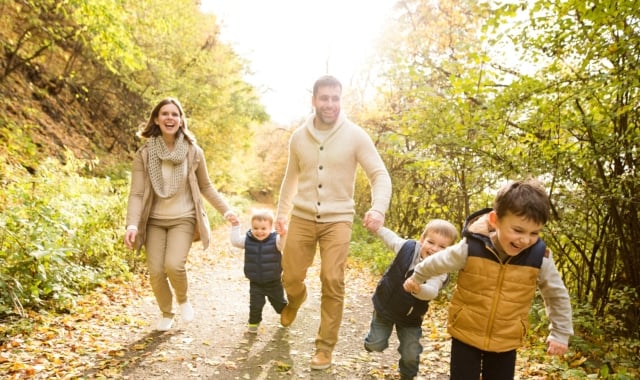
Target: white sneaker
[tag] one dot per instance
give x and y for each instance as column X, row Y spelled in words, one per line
column 186, row 310
column 165, row 324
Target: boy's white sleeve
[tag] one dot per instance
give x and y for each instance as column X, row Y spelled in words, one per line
column 448, row 260
column 390, row 239
column 429, row 290
column 236, row 237
column 556, row 301
column 280, row 242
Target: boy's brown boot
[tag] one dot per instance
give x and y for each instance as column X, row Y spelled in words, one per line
column 321, row 360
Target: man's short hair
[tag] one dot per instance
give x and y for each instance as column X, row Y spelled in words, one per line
column 326, row 81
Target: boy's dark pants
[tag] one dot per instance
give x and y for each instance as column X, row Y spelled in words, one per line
column 468, row 362
column 273, row 291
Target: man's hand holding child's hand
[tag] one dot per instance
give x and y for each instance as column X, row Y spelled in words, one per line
column 373, row 220
column 281, row 226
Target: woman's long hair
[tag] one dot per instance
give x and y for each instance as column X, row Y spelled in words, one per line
column 151, row 129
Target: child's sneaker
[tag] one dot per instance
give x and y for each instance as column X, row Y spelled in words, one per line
column 186, row 310
column 253, row 328
column 165, row 324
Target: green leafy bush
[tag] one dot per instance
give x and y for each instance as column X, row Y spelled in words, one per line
column 368, row 250
column 60, row 234
column 597, row 348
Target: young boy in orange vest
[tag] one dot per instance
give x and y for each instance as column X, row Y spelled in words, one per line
column 501, row 261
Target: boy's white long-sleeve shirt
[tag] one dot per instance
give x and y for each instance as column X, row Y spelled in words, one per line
column 429, row 288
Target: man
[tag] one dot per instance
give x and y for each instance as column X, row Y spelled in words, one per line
column 317, row 191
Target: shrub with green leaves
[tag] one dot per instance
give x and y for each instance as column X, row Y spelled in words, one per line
column 60, row 234
column 368, row 250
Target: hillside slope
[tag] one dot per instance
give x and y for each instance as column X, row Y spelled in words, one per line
column 55, row 119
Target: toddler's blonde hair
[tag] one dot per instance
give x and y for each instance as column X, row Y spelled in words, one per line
column 441, row 227
column 262, row 214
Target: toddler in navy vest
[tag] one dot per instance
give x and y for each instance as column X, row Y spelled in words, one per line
column 393, row 306
column 262, row 257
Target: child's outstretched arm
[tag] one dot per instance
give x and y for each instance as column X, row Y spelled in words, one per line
column 390, row 239
column 236, row 237
column 430, row 289
column 447, row 260
column 280, row 240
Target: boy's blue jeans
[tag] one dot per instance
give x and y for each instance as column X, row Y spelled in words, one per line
column 410, row 348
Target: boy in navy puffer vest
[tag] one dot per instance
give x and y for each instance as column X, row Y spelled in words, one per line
column 394, row 306
column 262, row 265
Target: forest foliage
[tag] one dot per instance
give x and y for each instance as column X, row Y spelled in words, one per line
column 462, row 119
column 468, row 95
column 477, row 93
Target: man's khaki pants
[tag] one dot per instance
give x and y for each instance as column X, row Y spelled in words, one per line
column 303, row 237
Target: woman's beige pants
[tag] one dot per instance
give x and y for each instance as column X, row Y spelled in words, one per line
column 167, row 244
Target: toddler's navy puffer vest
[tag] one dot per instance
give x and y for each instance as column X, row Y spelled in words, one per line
column 262, row 260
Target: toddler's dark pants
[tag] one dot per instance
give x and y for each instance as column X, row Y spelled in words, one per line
column 259, row 293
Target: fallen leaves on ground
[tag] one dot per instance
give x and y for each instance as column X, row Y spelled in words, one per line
column 50, row 346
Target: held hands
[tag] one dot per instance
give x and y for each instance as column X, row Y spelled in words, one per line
column 556, row 348
column 281, row 226
column 232, row 218
column 411, row 286
column 283, row 234
column 130, row 238
column 373, row 220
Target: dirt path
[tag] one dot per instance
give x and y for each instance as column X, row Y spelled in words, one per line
column 216, row 346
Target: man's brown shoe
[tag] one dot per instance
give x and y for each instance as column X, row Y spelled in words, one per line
column 288, row 315
column 321, row 360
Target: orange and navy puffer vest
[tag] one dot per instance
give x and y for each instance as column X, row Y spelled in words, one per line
column 490, row 306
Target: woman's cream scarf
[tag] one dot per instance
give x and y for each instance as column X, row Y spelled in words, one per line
column 159, row 152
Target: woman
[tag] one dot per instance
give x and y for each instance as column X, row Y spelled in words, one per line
column 165, row 209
